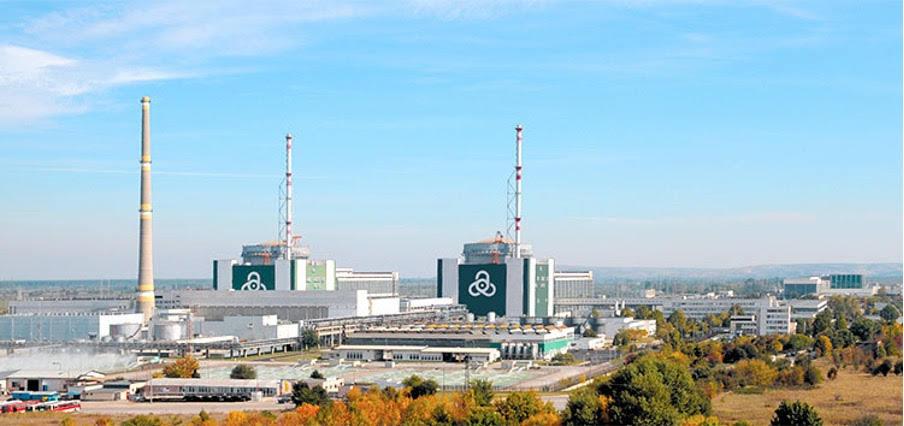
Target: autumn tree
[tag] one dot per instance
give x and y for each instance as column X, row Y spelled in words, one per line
column 519, row 406
column 754, row 372
column 183, row 368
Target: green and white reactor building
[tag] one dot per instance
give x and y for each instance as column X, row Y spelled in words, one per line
column 491, row 278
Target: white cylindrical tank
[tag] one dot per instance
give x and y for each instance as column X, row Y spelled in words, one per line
column 470, row 317
column 125, row 330
column 168, row 331
column 491, row 317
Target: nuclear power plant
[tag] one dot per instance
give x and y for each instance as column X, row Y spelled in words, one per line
column 263, row 300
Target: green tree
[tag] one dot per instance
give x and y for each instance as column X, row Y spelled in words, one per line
column 869, row 420
column 797, row 414
column 316, row 374
column 590, row 332
column 864, row 328
column 889, row 313
column 678, row 320
column 310, row 339
column 583, row 408
column 822, row 323
column 652, row 391
column 304, row 394
column 800, row 341
column 812, row 375
column 519, row 406
column 627, row 313
column 484, row 416
column 243, row 371
column 420, row 387
column 183, row 368
column 481, row 392
column 143, row 420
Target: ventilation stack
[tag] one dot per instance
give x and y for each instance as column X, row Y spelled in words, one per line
column 145, row 241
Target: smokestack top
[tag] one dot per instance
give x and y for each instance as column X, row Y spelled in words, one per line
column 145, row 100
column 518, row 127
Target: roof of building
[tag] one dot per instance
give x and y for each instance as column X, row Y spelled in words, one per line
column 380, row 347
column 462, row 350
column 214, row 382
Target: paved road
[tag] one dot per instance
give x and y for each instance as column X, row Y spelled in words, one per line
column 158, row 408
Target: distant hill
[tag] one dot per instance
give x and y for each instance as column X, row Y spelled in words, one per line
column 873, row 271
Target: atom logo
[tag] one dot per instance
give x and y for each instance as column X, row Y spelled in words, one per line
column 254, row 282
column 482, row 285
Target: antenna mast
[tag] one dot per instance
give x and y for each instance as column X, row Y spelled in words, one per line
column 289, row 240
column 518, row 191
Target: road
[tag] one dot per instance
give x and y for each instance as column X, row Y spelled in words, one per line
column 158, row 408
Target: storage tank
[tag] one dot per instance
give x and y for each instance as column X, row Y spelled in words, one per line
column 491, row 317
column 168, row 331
column 125, row 330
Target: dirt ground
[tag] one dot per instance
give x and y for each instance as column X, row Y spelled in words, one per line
column 852, row 395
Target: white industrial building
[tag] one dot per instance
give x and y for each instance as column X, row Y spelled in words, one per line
column 573, row 284
column 829, row 285
column 424, row 304
column 376, row 283
column 414, row 353
column 612, row 326
column 290, row 306
column 69, row 306
column 249, row 328
column 774, row 316
column 65, row 327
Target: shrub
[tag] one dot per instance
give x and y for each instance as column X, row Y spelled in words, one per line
column 796, row 413
column 243, row 371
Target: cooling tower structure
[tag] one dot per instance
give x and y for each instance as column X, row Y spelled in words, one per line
column 145, row 241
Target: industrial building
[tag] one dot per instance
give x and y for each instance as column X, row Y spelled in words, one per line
column 573, row 284
column 290, row 305
column 827, row 285
column 213, row 389
column 773, row 316
column 61, row 327
column 513, row 341
column 69, row 306
column 414, row 353
column 510, row 287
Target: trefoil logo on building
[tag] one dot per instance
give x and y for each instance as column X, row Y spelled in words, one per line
column 254, row 282
column 482, row 285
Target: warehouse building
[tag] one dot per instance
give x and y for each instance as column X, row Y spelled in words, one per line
column 512, row 341
column 292, row 306
column 573, row 284
column 414, row 353
column 66, row 327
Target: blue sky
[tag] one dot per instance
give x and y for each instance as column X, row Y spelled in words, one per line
column 657, row 133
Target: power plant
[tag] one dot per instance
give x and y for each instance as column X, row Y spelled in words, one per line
column 145, row 294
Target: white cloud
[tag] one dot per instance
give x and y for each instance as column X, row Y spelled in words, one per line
column 112, row 44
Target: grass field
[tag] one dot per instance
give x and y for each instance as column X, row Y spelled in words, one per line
column 852, row 395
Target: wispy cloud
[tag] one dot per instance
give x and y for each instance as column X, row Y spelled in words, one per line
column 63, row 58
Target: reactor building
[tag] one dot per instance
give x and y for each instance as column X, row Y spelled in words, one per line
column 501, row 276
